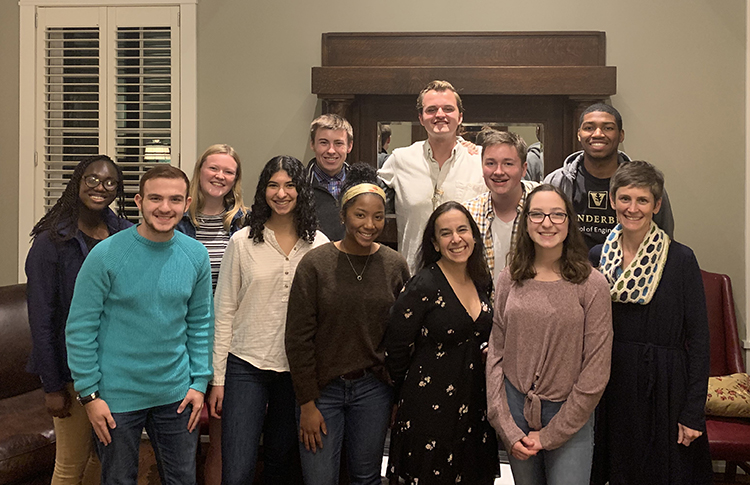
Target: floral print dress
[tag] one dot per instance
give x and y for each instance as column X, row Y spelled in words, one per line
column 441, row 434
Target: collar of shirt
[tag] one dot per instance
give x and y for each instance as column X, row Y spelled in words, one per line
column 428, row 152
column 524, row 192
column 334, row 182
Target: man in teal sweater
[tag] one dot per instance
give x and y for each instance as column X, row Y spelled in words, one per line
column 139, row 336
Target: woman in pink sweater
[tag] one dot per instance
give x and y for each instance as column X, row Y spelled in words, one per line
column 550, row 346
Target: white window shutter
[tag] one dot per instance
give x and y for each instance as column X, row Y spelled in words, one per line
column 111, row 86
column 70, row 125
column 144, row 127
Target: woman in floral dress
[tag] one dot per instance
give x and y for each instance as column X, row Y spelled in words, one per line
column 438, row 328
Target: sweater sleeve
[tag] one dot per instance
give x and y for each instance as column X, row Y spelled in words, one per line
column 226, row 304
column 200, row 325
column 597, row 356
column 404, row 324
column 42, row 297
column 498, row 412
column 301, row 328
column 697, row 343
column 82, row 330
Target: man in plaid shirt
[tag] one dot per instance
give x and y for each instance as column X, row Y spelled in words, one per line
column 496, row 211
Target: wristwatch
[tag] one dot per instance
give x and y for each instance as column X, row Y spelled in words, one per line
column 84, row 400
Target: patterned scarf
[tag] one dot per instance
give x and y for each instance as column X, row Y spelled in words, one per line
column 638, row 282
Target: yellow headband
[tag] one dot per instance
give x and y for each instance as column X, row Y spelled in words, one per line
column 362, row 189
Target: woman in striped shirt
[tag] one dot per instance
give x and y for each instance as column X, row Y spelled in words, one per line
column 217, row 212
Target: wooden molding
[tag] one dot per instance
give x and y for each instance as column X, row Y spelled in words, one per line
column 464, row 49
column 598, row 81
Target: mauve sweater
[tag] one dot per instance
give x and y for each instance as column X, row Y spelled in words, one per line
column 553, row 341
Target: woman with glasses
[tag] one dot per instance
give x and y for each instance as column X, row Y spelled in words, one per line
column 62, row 239
column 653, row 409
column 550, row 346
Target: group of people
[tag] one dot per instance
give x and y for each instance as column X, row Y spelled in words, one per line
column 560, row 320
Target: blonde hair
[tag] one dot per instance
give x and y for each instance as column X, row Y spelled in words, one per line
column 331, row 121
column 232, row 200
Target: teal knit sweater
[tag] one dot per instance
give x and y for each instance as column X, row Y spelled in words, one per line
column 140, row 328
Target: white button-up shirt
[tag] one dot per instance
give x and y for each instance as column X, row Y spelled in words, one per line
column 251, row 300
column 421, row 185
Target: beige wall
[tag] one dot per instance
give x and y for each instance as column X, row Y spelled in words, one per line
column 9, row 142
column 681, row 91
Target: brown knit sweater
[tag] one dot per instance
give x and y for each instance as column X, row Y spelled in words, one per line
column 335, row 323
column 557, row 336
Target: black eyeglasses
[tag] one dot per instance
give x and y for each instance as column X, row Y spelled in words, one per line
column 554, row 218
column 92, row 181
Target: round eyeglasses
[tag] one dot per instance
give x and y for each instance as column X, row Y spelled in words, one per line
column 554, row 218
column 92, row 181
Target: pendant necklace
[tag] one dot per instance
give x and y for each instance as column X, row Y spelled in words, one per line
column 358, row 275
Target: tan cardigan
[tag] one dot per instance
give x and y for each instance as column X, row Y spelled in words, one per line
column 556, row 337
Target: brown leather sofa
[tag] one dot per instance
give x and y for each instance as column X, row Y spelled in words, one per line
column 27, row 437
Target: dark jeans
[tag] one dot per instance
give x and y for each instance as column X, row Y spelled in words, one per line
column 174, row 447
column 357, row 412
column 258, row 401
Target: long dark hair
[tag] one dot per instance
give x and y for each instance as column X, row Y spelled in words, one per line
column 476, row 266
column 64, row 214
column 305, row 220
column 574, row 264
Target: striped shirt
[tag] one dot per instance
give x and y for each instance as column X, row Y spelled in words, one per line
column 481, row 209
column 211, row 233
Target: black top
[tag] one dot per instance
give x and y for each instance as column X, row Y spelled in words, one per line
column 433, row 356
column 660, row 368
column 326, row 207
column 596, row 217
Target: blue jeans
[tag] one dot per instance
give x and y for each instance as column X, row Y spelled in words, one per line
column 570, row 464
column 174, row 447
column 253, row 397
column 357, row 412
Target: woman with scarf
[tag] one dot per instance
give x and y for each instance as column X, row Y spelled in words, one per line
column 653, row 422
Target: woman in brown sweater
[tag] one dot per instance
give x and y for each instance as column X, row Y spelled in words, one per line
column 338, row 313
column 550, row 346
